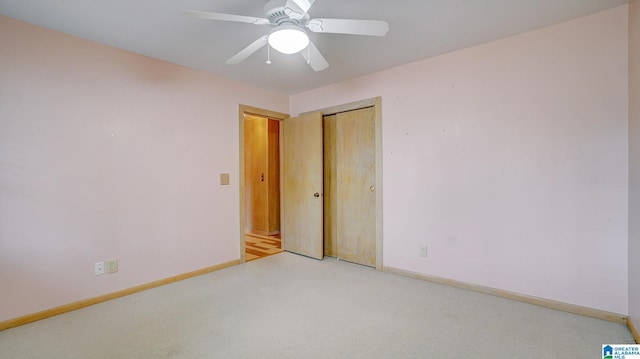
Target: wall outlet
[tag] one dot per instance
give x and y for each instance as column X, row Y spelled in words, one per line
column 423, row 250
column 112, row 266
column 99, row 268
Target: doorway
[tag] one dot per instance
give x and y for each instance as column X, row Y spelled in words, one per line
column 260, row 197
column 262, row 186
column 315, row 236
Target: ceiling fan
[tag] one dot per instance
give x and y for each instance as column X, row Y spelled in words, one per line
column 289, row 19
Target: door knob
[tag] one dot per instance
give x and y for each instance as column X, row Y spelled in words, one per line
column 372, row 188
column 316, row 195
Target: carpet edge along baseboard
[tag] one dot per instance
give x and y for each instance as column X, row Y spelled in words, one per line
column 29, row 318
column 547, row 303
column 634, row 330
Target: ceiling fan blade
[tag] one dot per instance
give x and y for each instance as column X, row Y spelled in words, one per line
column 247, row 51
column 314, row 58
column 304, row 5
column 225, row 17
column 348, row 26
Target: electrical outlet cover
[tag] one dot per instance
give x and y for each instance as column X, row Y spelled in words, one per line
column 423, row 251
column 99, row 268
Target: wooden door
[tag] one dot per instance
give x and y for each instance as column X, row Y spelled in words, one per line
column 255, row 166
column 302, row 175
column 330, row 186
column 262, row 175
column 273, row 177
column 356, row 178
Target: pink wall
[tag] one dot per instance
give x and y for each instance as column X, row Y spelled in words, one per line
column 634, row 161
column 509, row 160
column 106, row 154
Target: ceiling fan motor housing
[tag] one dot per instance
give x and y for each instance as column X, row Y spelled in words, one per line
column 284, row 11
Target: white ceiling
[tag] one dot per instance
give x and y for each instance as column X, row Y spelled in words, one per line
column 418, row 29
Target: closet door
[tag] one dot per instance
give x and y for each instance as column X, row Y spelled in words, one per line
column 330, row 187
column 302, row 185
column 355, row 186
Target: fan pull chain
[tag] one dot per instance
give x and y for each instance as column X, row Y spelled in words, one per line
column 268, row 55
column 309, row 54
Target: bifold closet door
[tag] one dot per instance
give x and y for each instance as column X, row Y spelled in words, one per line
column 355, row 186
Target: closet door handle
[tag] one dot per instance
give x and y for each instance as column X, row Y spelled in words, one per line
column 316, row 195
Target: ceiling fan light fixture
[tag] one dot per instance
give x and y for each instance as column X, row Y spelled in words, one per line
column 288, row 39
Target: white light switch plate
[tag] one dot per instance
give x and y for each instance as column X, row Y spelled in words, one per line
column 224, row 179
column 112, row 266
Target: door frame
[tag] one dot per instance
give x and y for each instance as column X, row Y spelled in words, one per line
column 376, row 103
column 242, row 110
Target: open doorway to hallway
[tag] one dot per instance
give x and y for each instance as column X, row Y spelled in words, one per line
column 261, row 180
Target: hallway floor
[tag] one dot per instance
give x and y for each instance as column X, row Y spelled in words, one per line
column 257, row 246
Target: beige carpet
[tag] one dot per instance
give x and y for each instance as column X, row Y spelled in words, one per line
column 288, row 306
